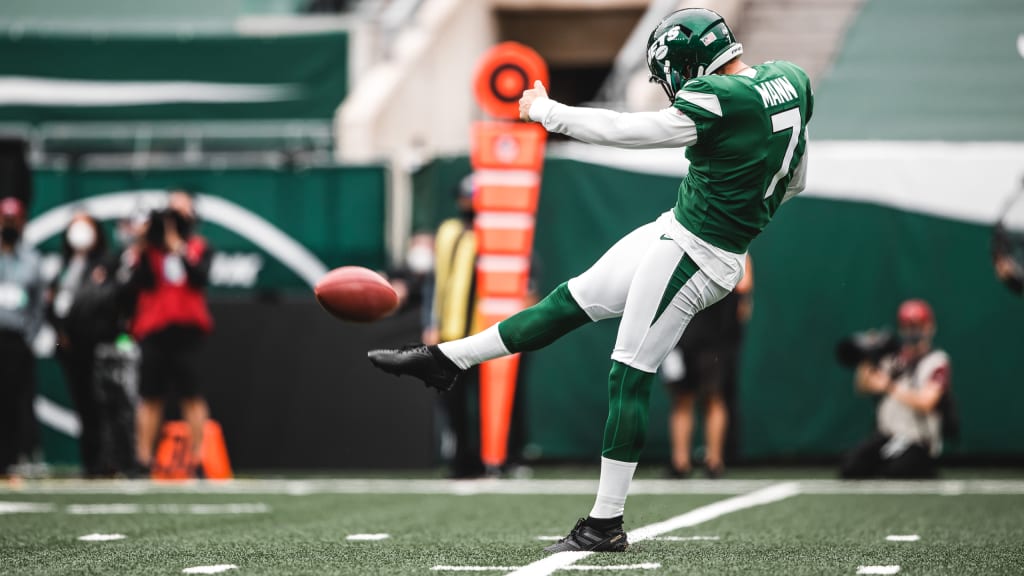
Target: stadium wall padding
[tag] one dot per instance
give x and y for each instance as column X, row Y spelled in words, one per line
column 293, row 390
column 223, row 76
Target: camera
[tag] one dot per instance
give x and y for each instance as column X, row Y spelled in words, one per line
column 160, row 219
column 868, row 345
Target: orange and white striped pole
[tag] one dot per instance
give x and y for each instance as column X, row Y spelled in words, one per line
column 507, row 158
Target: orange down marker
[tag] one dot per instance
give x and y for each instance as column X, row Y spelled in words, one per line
column 507, row 158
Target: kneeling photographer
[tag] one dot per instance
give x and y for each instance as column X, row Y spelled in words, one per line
column 912, row 381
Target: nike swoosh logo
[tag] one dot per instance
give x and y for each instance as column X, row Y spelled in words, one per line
column 664, row 237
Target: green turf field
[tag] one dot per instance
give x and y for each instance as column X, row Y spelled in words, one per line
column 748, row 526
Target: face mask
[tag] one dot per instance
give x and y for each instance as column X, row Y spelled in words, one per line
column 9, row 235
column 81, row 235
column 420, row 259
column 913, row 337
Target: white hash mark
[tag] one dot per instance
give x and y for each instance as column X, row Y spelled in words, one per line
column 877, row 569
column 903, row 538
column 367, row 536
column 101, row 537
column 215, row 569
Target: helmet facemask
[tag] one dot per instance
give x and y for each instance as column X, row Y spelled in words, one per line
column 659, row 64
column 664, row 86
column 672, row 80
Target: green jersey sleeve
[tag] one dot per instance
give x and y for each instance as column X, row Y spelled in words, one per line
column 701, row 104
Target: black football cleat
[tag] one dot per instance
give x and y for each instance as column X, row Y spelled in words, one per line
column 424, row 362
column 584, row 538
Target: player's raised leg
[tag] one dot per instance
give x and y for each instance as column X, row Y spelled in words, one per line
column 668, row 288
column 597, row 294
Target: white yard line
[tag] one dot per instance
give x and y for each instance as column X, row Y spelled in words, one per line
column 912, row 487
column 773, row 493
column 193, row 509
column 578, row 567
column 549, row 564
column 641, row 566
column 86, row 509
column 25, row 507
column 443, row 568
column 301, row 487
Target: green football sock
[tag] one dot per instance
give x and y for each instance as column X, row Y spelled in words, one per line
column 629, row 392
column 544, row 322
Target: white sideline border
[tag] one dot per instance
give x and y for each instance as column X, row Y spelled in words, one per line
column 577, row 567
column 302, row 487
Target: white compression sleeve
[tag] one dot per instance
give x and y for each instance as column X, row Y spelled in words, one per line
column 473, row 350
column 612, row 488
column 667, row 128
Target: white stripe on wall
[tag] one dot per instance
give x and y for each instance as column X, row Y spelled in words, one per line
column 965, row 181
column 55, row 416
column 32, row 91
column 220, row 211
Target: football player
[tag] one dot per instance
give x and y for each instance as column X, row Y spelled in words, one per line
column 744, row 129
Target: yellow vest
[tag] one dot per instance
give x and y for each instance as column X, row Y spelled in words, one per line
column 454, row 268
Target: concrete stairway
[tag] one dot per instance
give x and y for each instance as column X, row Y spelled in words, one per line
column 807, row 32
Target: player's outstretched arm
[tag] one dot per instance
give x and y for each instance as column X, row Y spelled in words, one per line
column 666, row 128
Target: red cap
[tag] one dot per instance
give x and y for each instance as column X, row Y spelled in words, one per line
column 11, row 206
column 915, row 312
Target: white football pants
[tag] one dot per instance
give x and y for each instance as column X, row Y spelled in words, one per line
column 633, row 279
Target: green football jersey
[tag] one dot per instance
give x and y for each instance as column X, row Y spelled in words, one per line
column 751, row 135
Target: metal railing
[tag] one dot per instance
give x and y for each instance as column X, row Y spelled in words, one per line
column 187, row 143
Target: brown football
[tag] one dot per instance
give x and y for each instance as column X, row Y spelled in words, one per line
column 356, row 294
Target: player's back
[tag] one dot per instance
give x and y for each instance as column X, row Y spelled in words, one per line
column 751, row 136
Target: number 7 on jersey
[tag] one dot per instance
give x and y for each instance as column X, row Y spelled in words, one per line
column 782, row 121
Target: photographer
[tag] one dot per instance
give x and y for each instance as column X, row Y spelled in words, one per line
column 170, row 274
column 911, row 383
column 21, row 315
